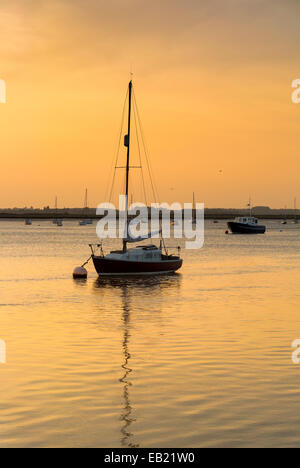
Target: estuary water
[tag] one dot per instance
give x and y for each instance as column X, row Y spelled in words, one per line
column 201, row 358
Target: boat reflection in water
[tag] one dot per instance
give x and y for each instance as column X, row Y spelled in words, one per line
column 131, row 291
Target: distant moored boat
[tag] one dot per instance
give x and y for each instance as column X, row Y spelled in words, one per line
column 246, row 225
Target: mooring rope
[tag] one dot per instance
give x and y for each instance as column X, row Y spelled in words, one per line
column 86, row 262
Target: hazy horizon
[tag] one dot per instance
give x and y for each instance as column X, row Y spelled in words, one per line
column 287, row 208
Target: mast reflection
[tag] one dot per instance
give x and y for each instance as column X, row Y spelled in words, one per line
column 132, row 288
column 126, row 416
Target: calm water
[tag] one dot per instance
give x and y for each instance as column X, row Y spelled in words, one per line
column 198, row 359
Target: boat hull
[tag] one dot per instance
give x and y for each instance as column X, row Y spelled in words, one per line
column 240, row 228
column 109, row 267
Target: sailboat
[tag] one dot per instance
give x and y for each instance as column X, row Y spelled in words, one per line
column 141, row 260
column 84, row 222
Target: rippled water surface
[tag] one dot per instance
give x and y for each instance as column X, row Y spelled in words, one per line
column 202, row 358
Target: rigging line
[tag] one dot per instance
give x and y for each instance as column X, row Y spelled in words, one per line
column 117, row 153
column 153, row 185
column 144, row 146
column 122, row 183
column 118, row 148
column 139, row 150
column 154, row 188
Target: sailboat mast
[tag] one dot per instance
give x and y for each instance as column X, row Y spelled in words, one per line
column 127, row 144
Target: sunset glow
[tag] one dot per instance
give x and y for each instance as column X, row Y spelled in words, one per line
column 213, row 81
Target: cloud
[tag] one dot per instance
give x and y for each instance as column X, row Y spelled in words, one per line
column 172, row 32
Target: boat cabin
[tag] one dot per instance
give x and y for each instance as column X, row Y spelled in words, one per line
column 138, row 254
column 247, row 220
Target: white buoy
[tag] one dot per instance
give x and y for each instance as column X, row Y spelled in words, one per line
column 80, row 273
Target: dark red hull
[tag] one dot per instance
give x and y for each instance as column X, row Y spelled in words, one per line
column 106, row 266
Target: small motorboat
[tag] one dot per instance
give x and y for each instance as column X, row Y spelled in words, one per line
column 28, row 222
column 82, row 223
column 246, row 225
column 284, row 221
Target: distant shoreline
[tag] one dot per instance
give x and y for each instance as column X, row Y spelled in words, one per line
column 217, row 214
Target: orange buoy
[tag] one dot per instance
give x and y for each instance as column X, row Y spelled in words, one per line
column 80, row 273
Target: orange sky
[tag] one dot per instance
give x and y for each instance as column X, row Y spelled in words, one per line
column 213, row 84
